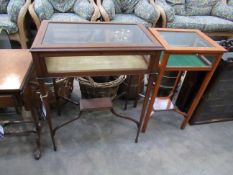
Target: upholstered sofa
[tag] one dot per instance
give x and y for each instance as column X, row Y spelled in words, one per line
column 64, row 10
column 12, row 17
column 214, row 17
column 129, row 11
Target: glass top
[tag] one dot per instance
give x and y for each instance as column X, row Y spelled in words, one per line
column 73, row 33
column 184, row 39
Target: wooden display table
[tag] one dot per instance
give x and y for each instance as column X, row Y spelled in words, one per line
column 94, row 49
column 15, row 72
column 185, row 50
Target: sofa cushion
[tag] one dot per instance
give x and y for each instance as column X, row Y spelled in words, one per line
column 146, row 11
column 84, row 9
column 223, row 10
column 125, row 6
column 130, row 18
column 203, row 23
column 230, row 2
column 69, row 17
column 14, row 8
column 7, row 24
column 62, row 5
column 199, row 7
column 178, row 5
column 43, row 9
column 3, row 6
column 109, row 7
column 169, row 11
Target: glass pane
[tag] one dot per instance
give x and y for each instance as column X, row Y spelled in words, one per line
column 65, row 33
column 184, row 39
column 210, row 58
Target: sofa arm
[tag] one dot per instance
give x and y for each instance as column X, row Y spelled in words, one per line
column 166, row 11
column 145, row 10
column 13, row 9
column 84, row 9
column 33, row 14
column 21, row 24
column 223, row 10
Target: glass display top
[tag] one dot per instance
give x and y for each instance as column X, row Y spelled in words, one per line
column 184, row 39
column 76, row 33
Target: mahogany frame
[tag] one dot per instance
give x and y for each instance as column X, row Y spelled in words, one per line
column 39, row 52
column 216, row 51
column 21, row 95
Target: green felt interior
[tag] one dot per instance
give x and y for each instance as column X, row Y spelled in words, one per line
column 185, row 61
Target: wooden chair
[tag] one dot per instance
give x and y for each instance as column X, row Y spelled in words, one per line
column 16, row 30
column 68, row 16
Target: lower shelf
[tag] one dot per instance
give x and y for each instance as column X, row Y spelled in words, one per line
column 163, row 104
column 95, row 63
column 95, row 103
